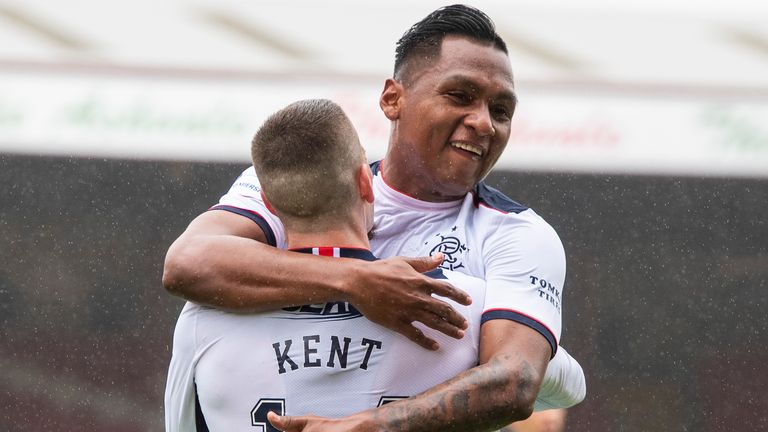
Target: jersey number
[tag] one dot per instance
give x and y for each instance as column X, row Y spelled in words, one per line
column 259, row 413
column 264, row 406
column 387, row 399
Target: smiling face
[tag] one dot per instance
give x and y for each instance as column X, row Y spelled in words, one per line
column 451, row 120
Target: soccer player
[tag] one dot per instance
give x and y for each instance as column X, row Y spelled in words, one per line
column 450, row 102
column 229, row 370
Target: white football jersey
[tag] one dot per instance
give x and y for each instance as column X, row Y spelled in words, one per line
column 485, row 235
column 516, row 254
column 229, row 370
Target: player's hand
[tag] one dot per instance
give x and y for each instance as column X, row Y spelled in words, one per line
column 310, row 423
column 394, row 293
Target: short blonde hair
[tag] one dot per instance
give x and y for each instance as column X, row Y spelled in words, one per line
column 306, row 156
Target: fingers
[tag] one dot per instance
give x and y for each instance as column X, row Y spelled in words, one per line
column 439, row 324
column 276, row 421
column 444, row 312
column 447, row 290
column 440, row 316
column 425, row 264
column 286, row 423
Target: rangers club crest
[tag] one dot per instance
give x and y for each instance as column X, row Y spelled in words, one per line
column 452, row 247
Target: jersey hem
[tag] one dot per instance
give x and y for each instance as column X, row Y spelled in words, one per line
column 519, row 317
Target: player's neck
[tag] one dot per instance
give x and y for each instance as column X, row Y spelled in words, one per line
column 340, row 236
column 410, row 182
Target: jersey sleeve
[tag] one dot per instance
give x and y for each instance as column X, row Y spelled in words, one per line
column 244, row 199
column 180, row 394
column 525, row 272
column 563, row 385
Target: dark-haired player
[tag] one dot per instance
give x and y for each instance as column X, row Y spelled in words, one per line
column 450, row 102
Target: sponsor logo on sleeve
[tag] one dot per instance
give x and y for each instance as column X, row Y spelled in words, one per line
column 547, row 291
column 247, row 185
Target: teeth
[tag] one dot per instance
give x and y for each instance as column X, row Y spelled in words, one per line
column 476, row 150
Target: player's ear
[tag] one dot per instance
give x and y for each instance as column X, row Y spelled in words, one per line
column 390, row 99
column 365, row 182
column 266, row 203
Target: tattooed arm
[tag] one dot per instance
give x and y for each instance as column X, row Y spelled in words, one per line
column 497, row 392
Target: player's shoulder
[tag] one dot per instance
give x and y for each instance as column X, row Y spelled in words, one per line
column 490, row 198
column 247, row 181
column 491, row 203
column 248, row 175
column 250, row 171
column 509, row 217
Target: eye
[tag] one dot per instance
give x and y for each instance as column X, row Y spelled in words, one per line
column 460, row 97
column 501, row 113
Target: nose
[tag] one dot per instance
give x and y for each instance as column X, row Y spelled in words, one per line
column 481, row 122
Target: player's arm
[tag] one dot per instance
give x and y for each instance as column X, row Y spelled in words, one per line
column 564, row 384
column 499, row 391
column 222, row 260
column 218, row 261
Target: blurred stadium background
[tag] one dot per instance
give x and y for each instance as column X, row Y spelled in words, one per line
column 641, row 136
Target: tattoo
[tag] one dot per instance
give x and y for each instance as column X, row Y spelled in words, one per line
column 526, row 382
column 484, row 398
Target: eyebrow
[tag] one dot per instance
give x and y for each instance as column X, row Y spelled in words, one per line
column 507, row 95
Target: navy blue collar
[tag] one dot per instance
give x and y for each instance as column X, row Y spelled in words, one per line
column 363, row 254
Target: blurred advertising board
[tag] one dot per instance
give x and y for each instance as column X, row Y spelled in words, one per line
column 214, row 119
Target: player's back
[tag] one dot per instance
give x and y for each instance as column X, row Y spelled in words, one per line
column 325, row 359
